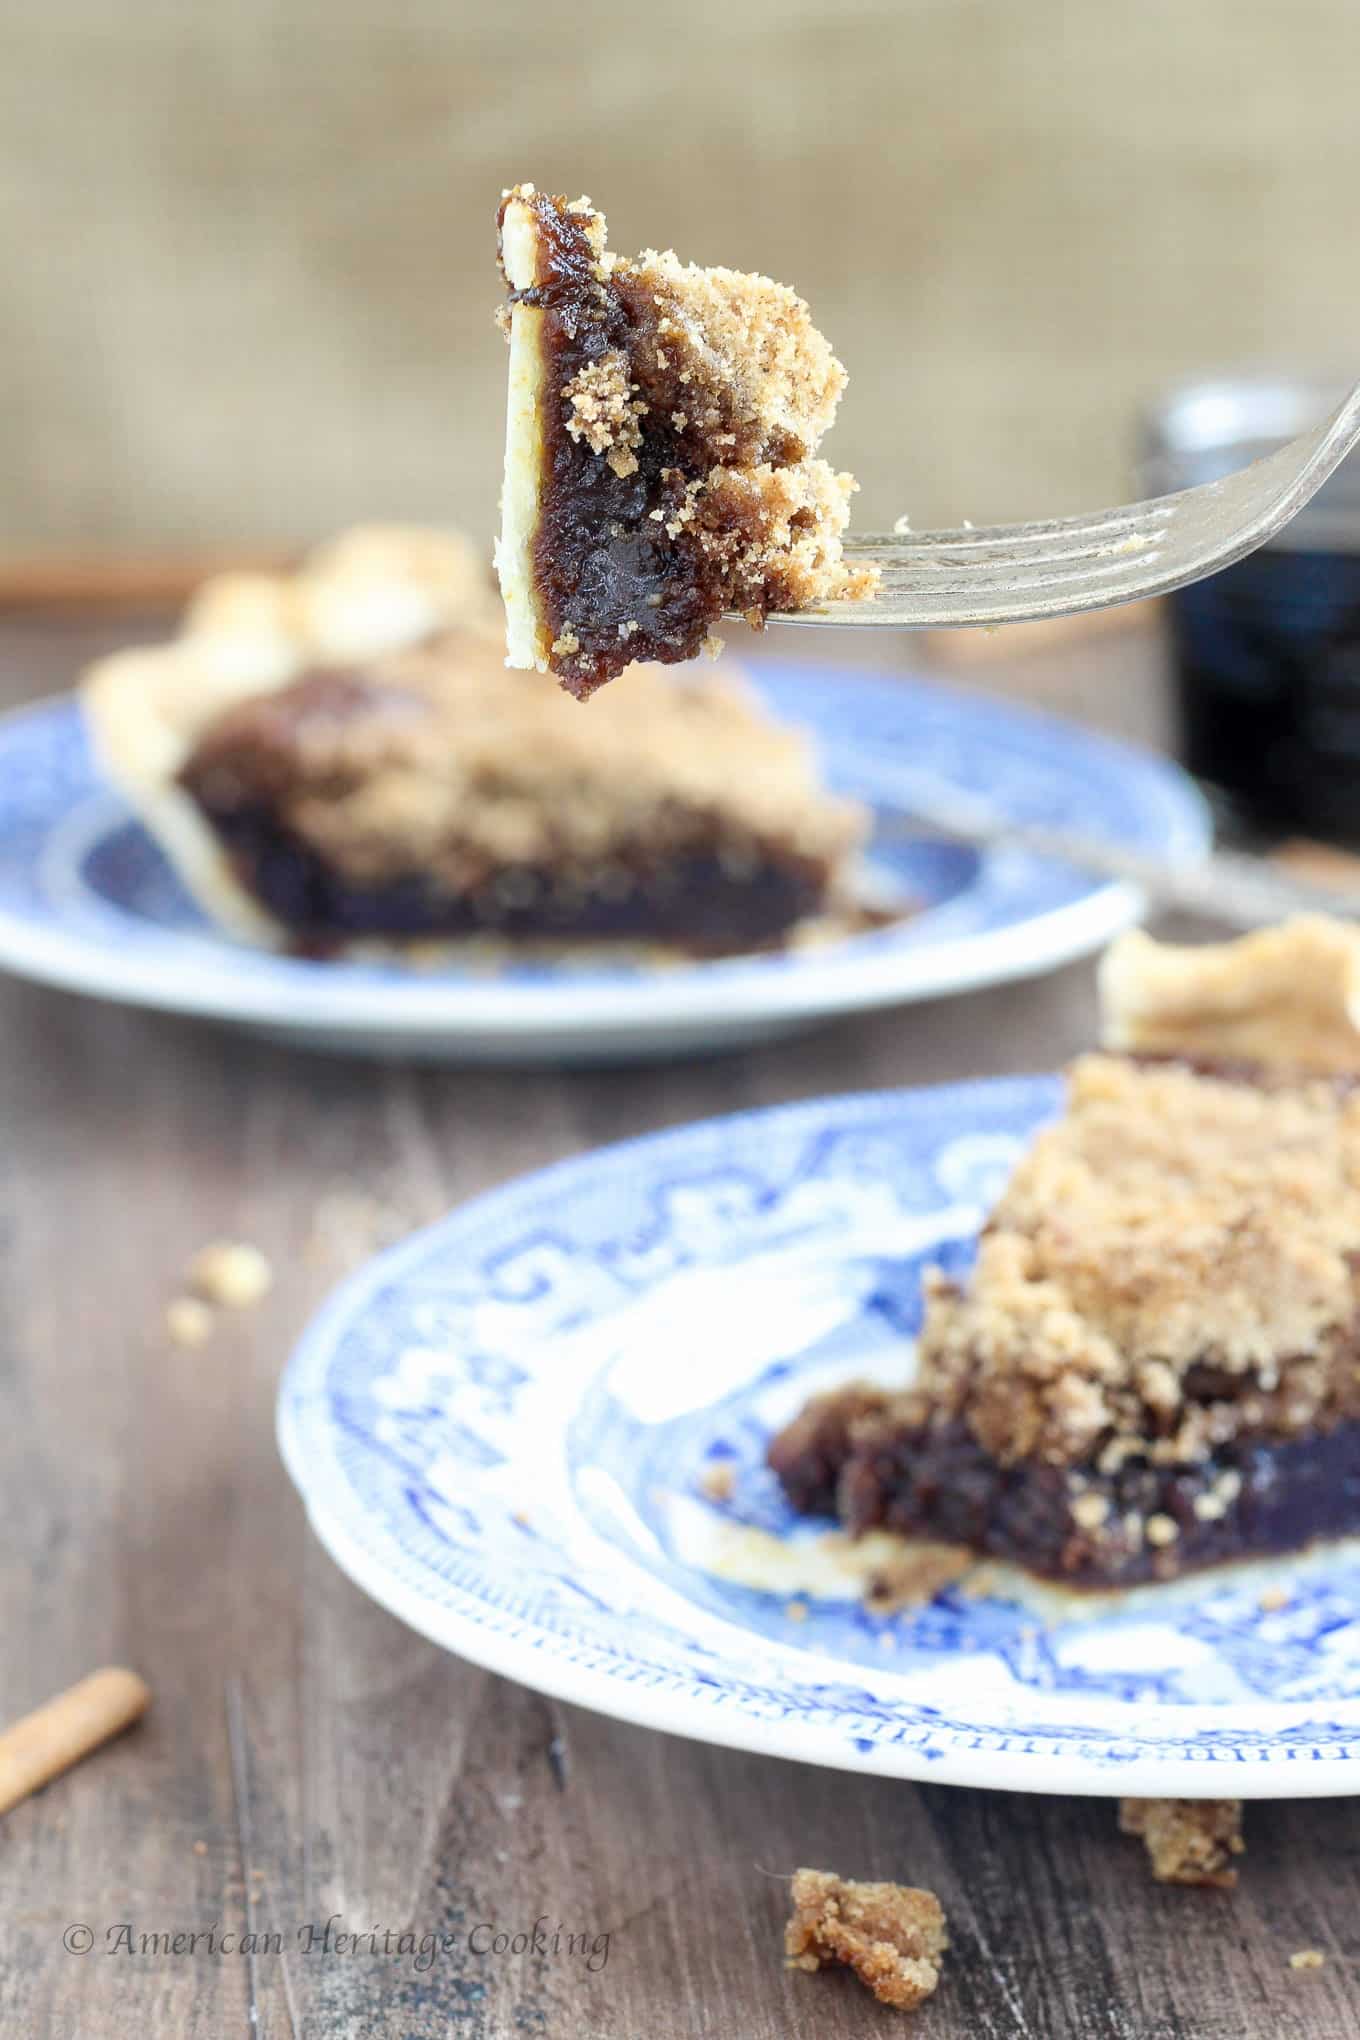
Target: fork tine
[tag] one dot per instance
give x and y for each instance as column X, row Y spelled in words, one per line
column 1119, row 539
column 1098, row 527
column 1008, row 573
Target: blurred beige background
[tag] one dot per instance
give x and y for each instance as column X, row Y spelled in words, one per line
column 246, row 251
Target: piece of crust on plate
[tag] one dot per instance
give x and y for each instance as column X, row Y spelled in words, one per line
column 1289, row 994
column 340, row 757
column 660, row 462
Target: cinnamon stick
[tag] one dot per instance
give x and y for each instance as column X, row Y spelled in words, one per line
column 41, row 1745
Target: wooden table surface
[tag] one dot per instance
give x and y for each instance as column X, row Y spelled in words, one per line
column 307, row 1757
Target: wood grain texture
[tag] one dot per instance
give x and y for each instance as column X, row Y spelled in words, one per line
column 246, row 251
column 330, row 1762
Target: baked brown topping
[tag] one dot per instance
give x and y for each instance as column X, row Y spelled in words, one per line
column 660, row 461
column 891, row 1935
column 1171, row 1266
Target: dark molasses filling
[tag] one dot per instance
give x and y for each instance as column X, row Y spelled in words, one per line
column 691, row 904
column 249, row 764
column 601, row 561
column 1263, row 1496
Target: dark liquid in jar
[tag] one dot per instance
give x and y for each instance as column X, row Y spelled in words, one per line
column 1268, row 675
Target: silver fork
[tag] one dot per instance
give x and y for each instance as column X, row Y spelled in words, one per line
column 1231, row 886
column 1011, row 573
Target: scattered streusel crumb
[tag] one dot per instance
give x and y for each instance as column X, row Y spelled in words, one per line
column 1273, row 1599
column 605, row 409
column 231, row 1273
column 200, row 1848
column 891, row 1935
column 1090, row 1510
column 719, row 1481
column 188, row 1321
column 1307, row 1958
column 349, row 1225
column 796, row 1611
column 982, row 1581
column 1188, row 1840
column 917, row 1576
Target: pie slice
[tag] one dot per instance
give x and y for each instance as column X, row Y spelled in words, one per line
column 1154, row 1364
column 341, row 757
column 661, row 436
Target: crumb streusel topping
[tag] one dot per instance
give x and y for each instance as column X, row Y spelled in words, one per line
column 605, row 411
column 1171, row 1266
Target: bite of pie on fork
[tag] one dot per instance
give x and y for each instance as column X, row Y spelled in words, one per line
column 662, row 471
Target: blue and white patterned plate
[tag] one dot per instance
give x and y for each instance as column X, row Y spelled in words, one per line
column 507, row 1429
column 87, row 900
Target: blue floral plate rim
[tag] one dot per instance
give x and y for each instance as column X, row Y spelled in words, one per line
column 530, row 1558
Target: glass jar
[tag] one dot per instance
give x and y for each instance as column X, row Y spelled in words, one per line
column 1267, row 653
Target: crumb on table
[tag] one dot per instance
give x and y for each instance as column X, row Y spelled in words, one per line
column 349, row 1225
column 231, row 1273
column 891, row 1935
column 1188, row 1840
column 1307, row 1958
column 188, row 1321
